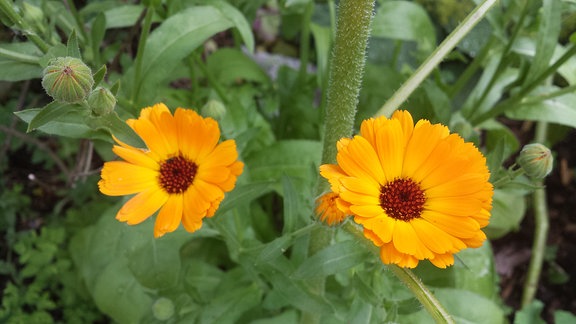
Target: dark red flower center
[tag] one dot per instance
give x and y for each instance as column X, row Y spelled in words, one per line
column 177, row 174
column 402, row 199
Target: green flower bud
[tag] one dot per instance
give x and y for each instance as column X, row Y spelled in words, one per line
column 536, row 160
column 67, row 79
column 163, row 309
column 101, row 101
column 214, row 108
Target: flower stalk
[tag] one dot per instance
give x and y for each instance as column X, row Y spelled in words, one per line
column 435, row 58
column 16, row 19
column 345, row 78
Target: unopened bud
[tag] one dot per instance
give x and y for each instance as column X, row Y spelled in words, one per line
column 536, row 160
column 214, row 108
column 163, row 309
column 67, row 79
column 101, row 101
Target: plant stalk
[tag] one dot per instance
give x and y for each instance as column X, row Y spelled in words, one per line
column 8, row 10
column 540, row 231
column 435, row 58
column 345, row 78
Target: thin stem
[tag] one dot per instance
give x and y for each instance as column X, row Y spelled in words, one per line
column 425, row 296
column 213, row 83
column 17, row 20
column 412, row 282
column 435, row 58
column 540, row 231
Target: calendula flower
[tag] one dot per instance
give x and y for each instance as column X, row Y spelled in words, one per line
column 327, row 210
column 184, row 172
column 418, row 191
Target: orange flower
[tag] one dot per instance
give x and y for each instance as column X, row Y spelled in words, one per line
column 184, row 172
column 327, row 210
column 418, row 191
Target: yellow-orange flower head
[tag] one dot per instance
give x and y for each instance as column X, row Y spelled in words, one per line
column 184, row 172
column 418, row 191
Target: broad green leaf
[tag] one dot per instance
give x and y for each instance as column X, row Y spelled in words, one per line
column 405, row 21
column 287, row 317
column 335, row 258
column 156, row 264
column 228, row 65
column 275, row 248
column 508, row 208
column 238, row 19
column 474, row 271
column 119, row 295
column 97, row 33
column 175, row 39
column 19, row 61
column 560, row 110
column 99, row 75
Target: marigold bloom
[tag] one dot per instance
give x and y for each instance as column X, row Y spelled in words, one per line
column 418, row 191
column 327, row 210
column 184, row 172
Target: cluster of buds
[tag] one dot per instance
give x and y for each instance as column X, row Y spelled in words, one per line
column 69, row 80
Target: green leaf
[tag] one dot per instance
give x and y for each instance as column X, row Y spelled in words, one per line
column 52, row 112
column 407, row 21
column 123, row 16
column 119, row 295
column 97, row 33
column 99, row 75
column 530, row 314
column 323, row 43
column 238, row 19
column 228, row 65
column 175, row 39
column 243, row 194
column 290, row 157
column 275, row 248
column 548, row 31
column 290, row 199
column 156, row 264
column 71, row 124
column 19, row 61
column 560, row 110
column 508, row 209
column 227, row 307
column 335, row 258
column 72, row 48
column 474, row 271
column 564, row 317
column 112, row 124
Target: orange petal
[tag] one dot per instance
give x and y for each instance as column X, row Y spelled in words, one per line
column 120, row 178
column 169, row 216
column 141, row 206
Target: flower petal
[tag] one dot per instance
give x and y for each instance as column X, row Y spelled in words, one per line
column 121, row 178
column 142, row 206
column 169, row 216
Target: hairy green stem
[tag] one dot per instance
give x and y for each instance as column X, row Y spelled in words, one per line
column 435, row 58
column 16, row 19
column 345, row 78
column 540, row 231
